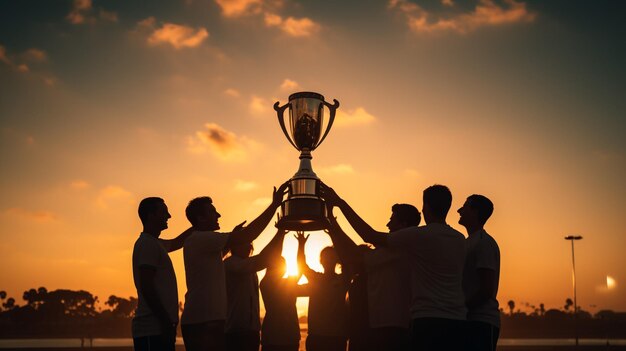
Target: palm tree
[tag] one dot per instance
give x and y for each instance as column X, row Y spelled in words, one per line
column 511, row 304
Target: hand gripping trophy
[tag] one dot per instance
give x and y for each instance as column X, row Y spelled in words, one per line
column 304, row 209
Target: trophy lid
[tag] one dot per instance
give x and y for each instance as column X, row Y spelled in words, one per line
column 306, row 94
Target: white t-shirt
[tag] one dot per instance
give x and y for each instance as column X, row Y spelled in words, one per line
column 388, row 288
column 242, row 290
column 205, row 299
column 482, row 253
column 149, row 253
column 436, row 254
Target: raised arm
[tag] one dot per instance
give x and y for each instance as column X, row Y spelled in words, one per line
column 347, row 250
column 364, row 230
column 176, row 243
column 303, row 268
column 252, row 231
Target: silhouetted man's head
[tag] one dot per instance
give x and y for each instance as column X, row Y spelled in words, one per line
column 437, row 201
column 202, row 214
column 242, row 250
column 475, row 211
column 328, row 259
column 402, row 216
column 153, row 213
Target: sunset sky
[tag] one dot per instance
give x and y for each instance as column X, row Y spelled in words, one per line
column 103, row 103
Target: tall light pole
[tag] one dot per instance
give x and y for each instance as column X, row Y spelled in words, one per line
column 573, row 238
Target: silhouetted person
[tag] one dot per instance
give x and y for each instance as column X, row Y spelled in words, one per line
column 436, row 254
column 281, row 329
column 386, row 272
column 242, row 290
column 328, row 311
column 481, row 275
column 156, row 317
column 206, row 302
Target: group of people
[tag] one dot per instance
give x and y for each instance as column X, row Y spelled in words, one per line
column 414, row 288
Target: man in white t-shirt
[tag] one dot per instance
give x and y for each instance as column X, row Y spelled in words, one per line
column 481, row 275
column 436, row 255
column 387, row 276
column 156, row 317
column 205, row 310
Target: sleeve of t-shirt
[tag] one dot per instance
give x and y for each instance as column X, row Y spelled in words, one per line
column 402, row 238
column 148, row 254
column 487, row 255
column 212, row 241
column 245, row 265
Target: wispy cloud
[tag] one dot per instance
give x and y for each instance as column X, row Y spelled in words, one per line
column 38, row 216
column 243, row 185
column 339, row 169
column 79, row 184
column 82, row 12
column 289, row 85
column 35, row 55
column 112, row 195
column 486, row 13
column 176, row 35
column 222, row 143
column 22, row 63
column 259, row 106
column 237, row 8
column 294, row 27
column 359, row 116
column 232, row 92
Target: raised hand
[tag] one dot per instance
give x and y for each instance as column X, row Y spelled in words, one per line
column 301, row 238
column 239, row 226
column 329, row 195
column 278, row 195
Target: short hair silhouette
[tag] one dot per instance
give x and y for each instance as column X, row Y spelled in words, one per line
column 195, row 208
column 482, row 205
column 149, row 206
column 439, row 199
column 407, row 214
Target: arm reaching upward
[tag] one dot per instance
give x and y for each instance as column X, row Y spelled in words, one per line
column 303, row 268
column 365, row 231
column 347, row 250
column 176, row 243
column 252, row 231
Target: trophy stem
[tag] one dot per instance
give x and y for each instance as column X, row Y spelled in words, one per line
column 305, row 170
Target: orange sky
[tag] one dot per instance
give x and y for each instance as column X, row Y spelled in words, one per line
column 104, row 103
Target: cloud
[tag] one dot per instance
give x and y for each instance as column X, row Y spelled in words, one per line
column 237, row 8
column 23, row 68
column 289, row 85
column 3, row 56
column 38, row 216
column 242, row 185
column 294, row 27
column 35, row 55
column 222, row 143
column 259, row 106
column 232, row 92
column 113, row 194
column 355, row 117
column 79, row 184
column 82, row 12
column 339, row 169
column 486, row 13
column 176, row 35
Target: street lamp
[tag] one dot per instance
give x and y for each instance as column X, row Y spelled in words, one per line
column 573, row 238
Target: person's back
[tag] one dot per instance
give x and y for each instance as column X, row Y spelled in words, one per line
column 328, row 311
column 280, row 329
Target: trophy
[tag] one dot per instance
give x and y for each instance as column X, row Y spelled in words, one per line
column 304, row 209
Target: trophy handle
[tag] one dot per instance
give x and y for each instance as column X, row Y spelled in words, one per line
column 331, row 119
column 281, row 120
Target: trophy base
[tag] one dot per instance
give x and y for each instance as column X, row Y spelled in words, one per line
column 303, row 214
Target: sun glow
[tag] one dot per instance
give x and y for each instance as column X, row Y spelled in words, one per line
column 317, row 241
column 610, row 282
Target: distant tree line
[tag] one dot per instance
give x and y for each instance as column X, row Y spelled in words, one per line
column 66, row 313
column 561, row 323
